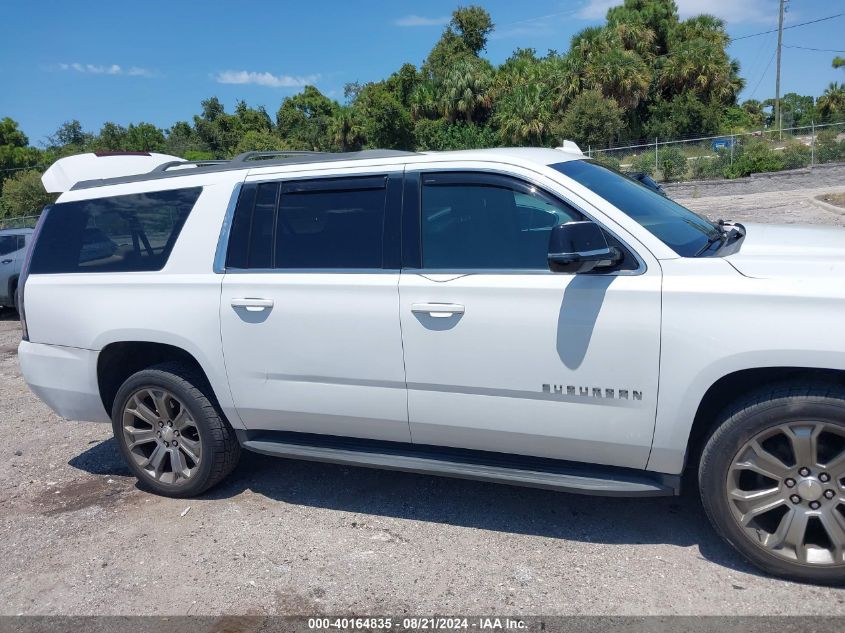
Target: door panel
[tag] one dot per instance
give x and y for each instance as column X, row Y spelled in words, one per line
column 524, row 360
column 309, row 307
column 325, row 357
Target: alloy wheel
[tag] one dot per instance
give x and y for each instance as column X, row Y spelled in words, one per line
column 161, row 435
column 786, row 490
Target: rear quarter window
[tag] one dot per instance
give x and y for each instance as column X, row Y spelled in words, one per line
column 128, row 233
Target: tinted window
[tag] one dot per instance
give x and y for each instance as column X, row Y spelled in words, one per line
column 21, row 241
column 679, row 228
column 8, row 244
column 117, row 234
column 325, row 223
column 476, row 221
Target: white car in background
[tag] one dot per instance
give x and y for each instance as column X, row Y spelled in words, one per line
column 521, row 316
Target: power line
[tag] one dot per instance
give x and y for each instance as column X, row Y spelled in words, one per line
column 823, row 50
column 763, row 76
column 791, row 26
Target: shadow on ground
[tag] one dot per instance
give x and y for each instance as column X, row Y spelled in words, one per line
column 678, row 521
column 8, row 314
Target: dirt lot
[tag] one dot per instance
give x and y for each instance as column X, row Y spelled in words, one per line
column 286, row 537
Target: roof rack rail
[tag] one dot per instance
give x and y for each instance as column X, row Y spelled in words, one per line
column 187, row 163
column 246, row 156
column 246, row 160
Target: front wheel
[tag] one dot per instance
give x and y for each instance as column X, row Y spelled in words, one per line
column 170, row 433
column 772, row 480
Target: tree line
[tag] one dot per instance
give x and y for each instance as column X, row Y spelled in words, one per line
column 644, row 74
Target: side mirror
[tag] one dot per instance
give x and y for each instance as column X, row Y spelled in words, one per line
column 579, row 247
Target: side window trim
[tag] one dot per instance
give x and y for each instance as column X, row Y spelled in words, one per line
column 419, row 174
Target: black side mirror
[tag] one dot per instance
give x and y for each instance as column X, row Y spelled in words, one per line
column 579, row 247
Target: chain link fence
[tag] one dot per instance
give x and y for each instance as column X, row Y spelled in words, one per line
column 730, row 155
column 24, row 222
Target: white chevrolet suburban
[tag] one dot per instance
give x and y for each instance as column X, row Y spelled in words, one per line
column 522, row 316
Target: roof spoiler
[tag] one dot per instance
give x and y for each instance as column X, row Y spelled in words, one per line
column 66, row 172
column 571, row 147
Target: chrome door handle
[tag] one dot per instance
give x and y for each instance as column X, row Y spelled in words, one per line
column 6, row 261
column 252, row 305
column 438, row 310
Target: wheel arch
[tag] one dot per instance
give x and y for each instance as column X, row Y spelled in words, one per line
column 119, row 360
column 734, row 385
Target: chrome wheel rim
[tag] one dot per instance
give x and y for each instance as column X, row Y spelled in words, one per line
column 785, row 491
column 161, row 436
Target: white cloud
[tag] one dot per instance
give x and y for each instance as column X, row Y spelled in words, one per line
column 418, row 20
column 106, row 69
column 264, row 79
column 596, row 9
column 731, row 11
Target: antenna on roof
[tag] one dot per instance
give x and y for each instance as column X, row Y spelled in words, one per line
column 571, row 147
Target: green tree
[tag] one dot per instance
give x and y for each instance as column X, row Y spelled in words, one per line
column 591, row 120
column 387, row 124
column 465, row 92
column 465, row 36
column 145, row 137
column 259, row 141
column 524, row 116
column 838, row 62
column 23, row 195
column 440, row 134
column 831, row 104
column 15, row 153
column 347, row 130
column 303, row 120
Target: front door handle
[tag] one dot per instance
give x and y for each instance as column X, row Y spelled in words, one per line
column 252, row 304
column 438, row 310
column 6, row 261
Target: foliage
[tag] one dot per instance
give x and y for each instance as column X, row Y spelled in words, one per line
column 795, row 155
column 831, row 105
column 643, row 163
column 754, row 156
column 828, row 149
column 705, row 167
column 608, row 160
column 591, row 120
column 15, row 153
column 23, row 194
column 439, row 134
column 672, row 163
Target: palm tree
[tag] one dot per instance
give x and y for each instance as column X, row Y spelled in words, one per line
column 832, row 101
column 466, row 90
column 424, row 100
column 346, row 129
column 619, row 74
column 524, row 115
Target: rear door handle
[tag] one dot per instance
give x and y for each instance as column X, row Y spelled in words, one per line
column 252, row 305
column 6, row 261
column 438, row 310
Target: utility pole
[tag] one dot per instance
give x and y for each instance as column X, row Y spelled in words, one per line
column 778, row 117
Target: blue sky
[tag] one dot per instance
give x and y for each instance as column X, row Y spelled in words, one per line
column 155, row 61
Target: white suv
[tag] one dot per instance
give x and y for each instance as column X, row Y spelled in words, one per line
column 521, row 316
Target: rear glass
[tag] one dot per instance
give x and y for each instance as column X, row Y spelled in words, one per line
column 117, row 234
column 8, row 244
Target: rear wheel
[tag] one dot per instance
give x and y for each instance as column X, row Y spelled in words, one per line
column 170, row 433
column 772, row 479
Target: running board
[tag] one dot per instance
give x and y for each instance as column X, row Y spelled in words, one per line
column 476, row 465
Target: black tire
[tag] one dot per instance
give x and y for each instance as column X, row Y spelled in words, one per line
column 765, row 412
column 219, row 445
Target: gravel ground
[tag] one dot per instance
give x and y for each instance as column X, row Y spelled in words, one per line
column 287, row 537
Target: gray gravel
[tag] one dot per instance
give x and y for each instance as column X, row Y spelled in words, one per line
column 287, row 537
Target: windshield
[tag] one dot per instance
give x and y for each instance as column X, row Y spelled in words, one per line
column 685, row 232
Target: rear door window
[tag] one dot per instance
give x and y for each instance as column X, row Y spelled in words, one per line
column 8, row 244
column 324, row 223
column 135, row 232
